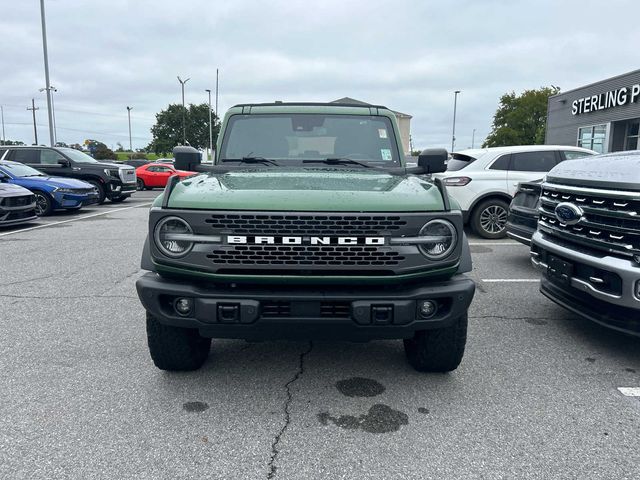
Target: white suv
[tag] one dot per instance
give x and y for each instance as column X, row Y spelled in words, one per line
column 484, row 181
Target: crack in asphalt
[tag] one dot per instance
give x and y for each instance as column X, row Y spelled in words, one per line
column 287, row 414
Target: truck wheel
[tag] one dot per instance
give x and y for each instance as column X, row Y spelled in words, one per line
column 489, row 219
column 44, row 205
column 438, row 350
column 175, row 348
column 101, row 194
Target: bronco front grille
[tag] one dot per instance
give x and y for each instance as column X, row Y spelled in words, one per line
column 305, row 255
column 610, row 220
column 306, row 224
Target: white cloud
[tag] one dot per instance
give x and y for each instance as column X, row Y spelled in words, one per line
column 409, row 55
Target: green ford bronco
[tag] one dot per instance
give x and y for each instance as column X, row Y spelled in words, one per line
column 308, row 226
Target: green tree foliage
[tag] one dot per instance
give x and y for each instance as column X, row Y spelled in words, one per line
column 167, row 132
column 11, row 142
column 520, row 119
column 99, row 150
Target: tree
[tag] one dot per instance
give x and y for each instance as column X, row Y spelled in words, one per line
column 521, row 119
column 100, row 151
column 11, row 142
column 167, row 132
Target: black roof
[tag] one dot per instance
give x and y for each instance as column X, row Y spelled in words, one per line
column 310, row 104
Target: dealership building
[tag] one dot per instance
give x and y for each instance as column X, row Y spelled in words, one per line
column 603, row 116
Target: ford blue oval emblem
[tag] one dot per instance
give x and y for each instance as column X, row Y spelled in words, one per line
column 568, row 213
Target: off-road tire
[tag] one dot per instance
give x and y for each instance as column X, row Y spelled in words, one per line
column 175, row 348
column 102, row 196
column 438, row 350
column 44, row 204
column 492, row 206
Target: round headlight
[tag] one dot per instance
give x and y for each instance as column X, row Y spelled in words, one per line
column 440, row 239
column 165, row 235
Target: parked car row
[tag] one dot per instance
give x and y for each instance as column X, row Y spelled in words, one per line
column 484, row 181
column 582, row 223
column 112, row 181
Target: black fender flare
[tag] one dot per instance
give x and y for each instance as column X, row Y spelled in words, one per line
column 145, row 262
column 466, row 264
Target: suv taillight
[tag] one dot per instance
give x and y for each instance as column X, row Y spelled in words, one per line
column 456, row 181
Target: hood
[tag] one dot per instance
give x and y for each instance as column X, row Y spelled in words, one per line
column 619, row 171
column 108, row 165
column 305, row 189
column 9, row 190
column 61, row 182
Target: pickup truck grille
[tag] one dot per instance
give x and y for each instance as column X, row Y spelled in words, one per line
column 127, row 175
column 610, row 220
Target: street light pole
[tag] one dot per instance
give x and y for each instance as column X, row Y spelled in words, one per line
column 210, row 127
column 129, row 115
column 184, row 128
column 455, row 105
column 53, row 113
column 46, row 73
column 473, row 138
column 217, row 115
column 2, row 114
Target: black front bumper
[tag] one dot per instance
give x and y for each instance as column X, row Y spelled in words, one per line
column 306, row 312
column 619, row 318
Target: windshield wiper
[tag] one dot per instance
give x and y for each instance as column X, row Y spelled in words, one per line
column 265, row 161
column 339, row 161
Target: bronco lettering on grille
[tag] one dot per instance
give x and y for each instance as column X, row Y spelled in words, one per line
column 271, row 240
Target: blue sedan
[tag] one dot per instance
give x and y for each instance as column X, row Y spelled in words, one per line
column 52, row 193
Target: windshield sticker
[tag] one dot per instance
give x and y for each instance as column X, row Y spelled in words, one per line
column 382, row 132
column 386, row 153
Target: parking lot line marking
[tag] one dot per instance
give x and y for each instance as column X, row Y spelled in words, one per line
column 508, row 244
column 74, row 219
column 630, row 391
column 511, row 280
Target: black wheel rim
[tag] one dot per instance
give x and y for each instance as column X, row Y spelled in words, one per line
column 493, row 219
column 41, row 204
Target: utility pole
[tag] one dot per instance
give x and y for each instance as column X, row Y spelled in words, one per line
column 455, row 105
column 210, row 127
column 33, row 110
column 2, row 114
column 218, row 116
column 473, row 138
column 184, row 128
column 46, row 75
column 129, row 115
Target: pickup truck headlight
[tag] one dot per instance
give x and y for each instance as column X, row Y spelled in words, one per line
column 167, row 236
column 441, row 236
column 112, row 172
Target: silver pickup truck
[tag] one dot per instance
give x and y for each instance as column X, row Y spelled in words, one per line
column 588, row 239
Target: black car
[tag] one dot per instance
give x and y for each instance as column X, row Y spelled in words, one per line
column 113, row 181
column 522, row 221
column 17, row 205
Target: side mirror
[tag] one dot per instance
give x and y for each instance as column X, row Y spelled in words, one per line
column 186, row 158
column 433, row 160
column 64, row 162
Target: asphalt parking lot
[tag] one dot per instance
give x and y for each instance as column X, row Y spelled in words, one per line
column 537, row 394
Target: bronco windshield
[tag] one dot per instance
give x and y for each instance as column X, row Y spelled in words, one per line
column 292, row 138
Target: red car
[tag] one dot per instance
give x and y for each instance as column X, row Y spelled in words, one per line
column 156, row 175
